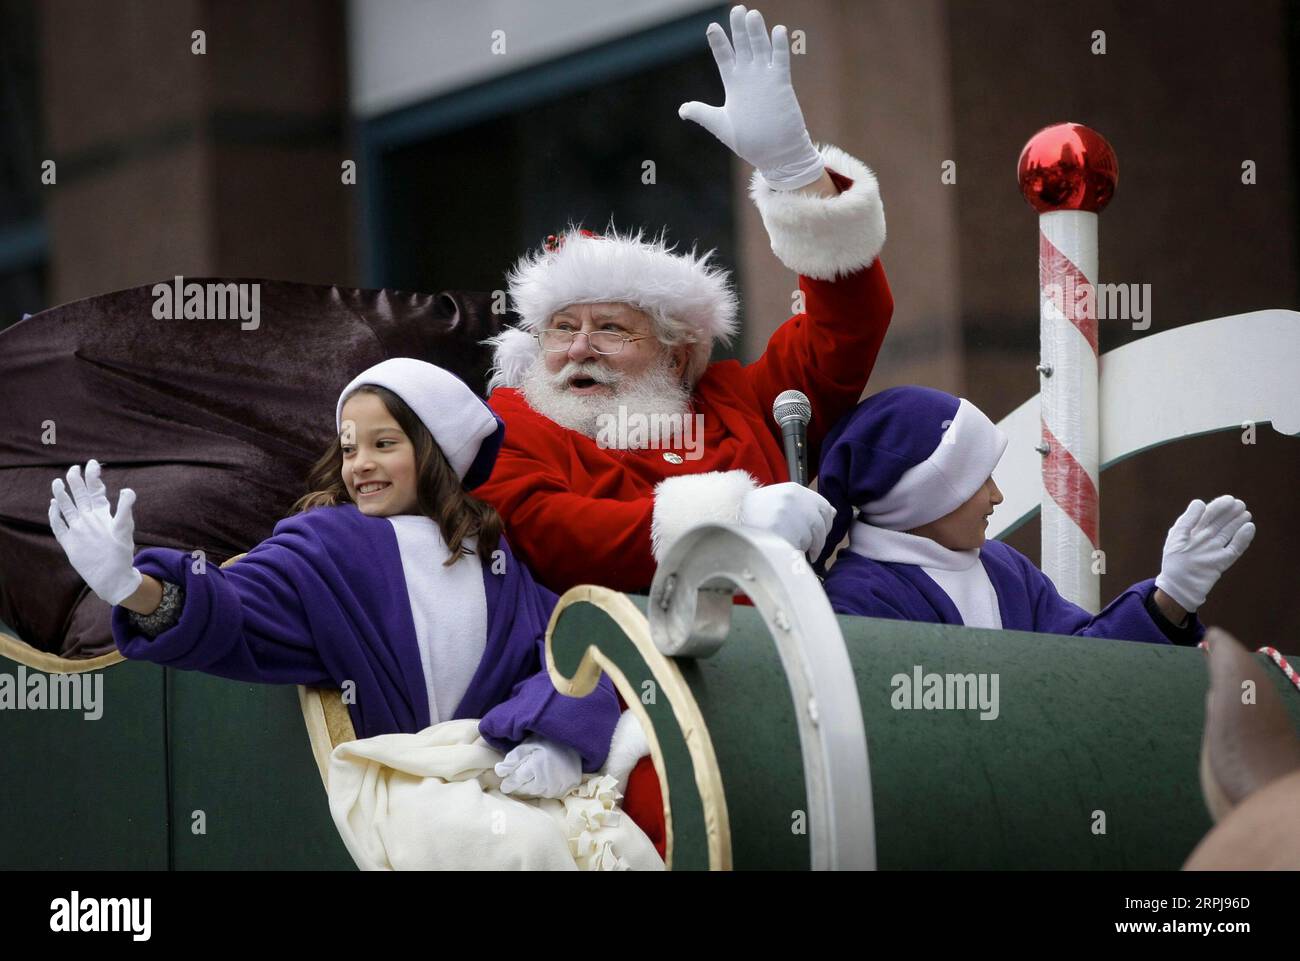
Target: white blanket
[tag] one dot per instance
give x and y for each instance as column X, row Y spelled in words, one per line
column 431, row 801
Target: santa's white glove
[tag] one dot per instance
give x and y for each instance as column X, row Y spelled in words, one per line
column 99, row 545
column 760, row 120
column 540, row 767
column 801, row 516
column 1203, row 543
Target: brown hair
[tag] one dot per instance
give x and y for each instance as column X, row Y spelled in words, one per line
column 439, row 493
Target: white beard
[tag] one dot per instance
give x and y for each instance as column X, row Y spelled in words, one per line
column 657, row 391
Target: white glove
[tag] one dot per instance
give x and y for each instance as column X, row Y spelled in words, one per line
column 540, row 767
column 99, row 545
column 801, row 516
column 1203, row 543
column 760, row 121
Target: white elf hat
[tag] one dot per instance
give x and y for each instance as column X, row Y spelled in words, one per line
column 582, row 267
column 468, row 432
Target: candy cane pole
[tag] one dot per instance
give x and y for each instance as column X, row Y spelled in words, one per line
column 1068, row 174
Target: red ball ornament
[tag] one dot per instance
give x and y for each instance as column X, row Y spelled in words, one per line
column 1067, row 167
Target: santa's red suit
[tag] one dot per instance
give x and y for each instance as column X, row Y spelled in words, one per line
column 578, row 513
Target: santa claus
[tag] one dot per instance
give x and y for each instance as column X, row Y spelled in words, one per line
column 618, row 328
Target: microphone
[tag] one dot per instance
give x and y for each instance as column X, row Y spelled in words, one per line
column 793, row 412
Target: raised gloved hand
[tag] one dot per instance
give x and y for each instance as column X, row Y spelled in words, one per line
column 760, row 121
column 540, row 767
column 801, row 516
column 100, row 545
column 1203, row 543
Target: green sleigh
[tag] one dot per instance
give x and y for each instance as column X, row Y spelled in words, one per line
column 773, row 727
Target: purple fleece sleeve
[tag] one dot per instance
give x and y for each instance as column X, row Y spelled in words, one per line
column 1126, row 618
column 536, row 707
column 246, row 622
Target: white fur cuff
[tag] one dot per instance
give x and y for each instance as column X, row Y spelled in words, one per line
column 825, row 237
column 692, row 499
column 626, row 748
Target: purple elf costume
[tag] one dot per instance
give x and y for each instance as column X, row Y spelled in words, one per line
column 908, row 456
column 337, row 596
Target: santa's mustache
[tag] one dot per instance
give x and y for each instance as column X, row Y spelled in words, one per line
column 588, row 368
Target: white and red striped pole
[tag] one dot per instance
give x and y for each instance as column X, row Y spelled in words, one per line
column 1068, row 174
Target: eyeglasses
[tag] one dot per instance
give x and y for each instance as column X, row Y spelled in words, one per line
column 601, row 341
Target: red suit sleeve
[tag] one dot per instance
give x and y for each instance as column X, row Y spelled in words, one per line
column 828, row 351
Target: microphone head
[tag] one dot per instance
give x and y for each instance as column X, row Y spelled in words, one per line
column 792, row 405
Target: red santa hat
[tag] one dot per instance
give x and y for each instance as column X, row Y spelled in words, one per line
column 687, row 296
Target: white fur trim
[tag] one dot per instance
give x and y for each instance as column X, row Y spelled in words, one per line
column 971, row 447
column 513, row 352
column 627, row 746
column 692, row 499
column 825, row 237
column 625, row 269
